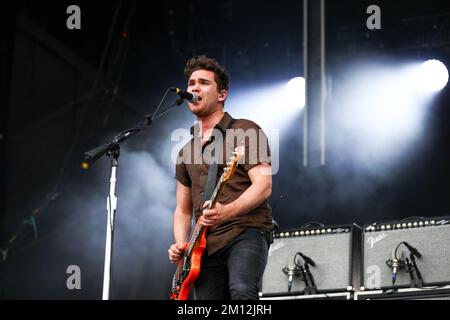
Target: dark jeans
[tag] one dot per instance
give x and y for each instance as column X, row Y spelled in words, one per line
column 235, row 271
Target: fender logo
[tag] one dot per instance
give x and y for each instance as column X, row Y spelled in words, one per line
column 276, row 246
column 373, row 240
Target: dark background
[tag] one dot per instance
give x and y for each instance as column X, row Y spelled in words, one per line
column 66, row 91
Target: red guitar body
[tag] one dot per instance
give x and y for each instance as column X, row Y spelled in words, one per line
column 194, row 270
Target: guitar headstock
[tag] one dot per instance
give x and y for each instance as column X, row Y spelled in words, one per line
column 232, row 164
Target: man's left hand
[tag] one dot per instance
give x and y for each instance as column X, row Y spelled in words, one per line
column 215, row 216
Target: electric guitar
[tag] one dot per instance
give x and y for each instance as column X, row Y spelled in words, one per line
column 189, row 266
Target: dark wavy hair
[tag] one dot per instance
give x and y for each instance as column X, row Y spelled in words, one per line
column 204, row 63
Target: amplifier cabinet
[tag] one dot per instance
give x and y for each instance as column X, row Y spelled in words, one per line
column 430, row 236
column 334, row 251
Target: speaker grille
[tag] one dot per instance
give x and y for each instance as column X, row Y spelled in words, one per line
column 431, row 240
column 330, row 250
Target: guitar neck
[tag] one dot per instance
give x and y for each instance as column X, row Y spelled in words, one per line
column 199, row 227
column 217, row 191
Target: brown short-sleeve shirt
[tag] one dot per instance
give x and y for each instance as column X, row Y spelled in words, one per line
column 192, row 171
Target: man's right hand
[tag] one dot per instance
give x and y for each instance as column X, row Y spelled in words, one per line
column 176, row 250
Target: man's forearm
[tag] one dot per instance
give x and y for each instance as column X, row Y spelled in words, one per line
column 250, row 199
column 181, row 226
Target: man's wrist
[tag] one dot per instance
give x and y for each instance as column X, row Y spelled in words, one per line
column 232, row 209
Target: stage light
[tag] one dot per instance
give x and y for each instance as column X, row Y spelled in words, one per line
column 273, row 106
column 269, row 105
column 380, row 112
column 434, row 75
column 295, row 91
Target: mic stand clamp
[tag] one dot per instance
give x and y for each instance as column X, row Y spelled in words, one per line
column 179, row 101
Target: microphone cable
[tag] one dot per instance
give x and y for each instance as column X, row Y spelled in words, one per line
column 153, row 117
column 300, row 266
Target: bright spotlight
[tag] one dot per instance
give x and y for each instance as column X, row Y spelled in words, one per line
column 434, row 75
column 295, row 90
column 272, row 106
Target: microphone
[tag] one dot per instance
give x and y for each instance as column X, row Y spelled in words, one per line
column 184, row 95
column 395, row 264
column 290, row 271
column 413, row 250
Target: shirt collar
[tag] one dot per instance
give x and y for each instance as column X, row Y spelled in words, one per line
column 222, row 125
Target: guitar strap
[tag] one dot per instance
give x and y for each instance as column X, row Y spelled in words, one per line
column 211, row 180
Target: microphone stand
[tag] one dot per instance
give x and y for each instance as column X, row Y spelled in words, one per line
column 306, row 276
column 411, row 273
column 112, row 150
column 310, row 286
column 416, row 281
column 419, row 275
